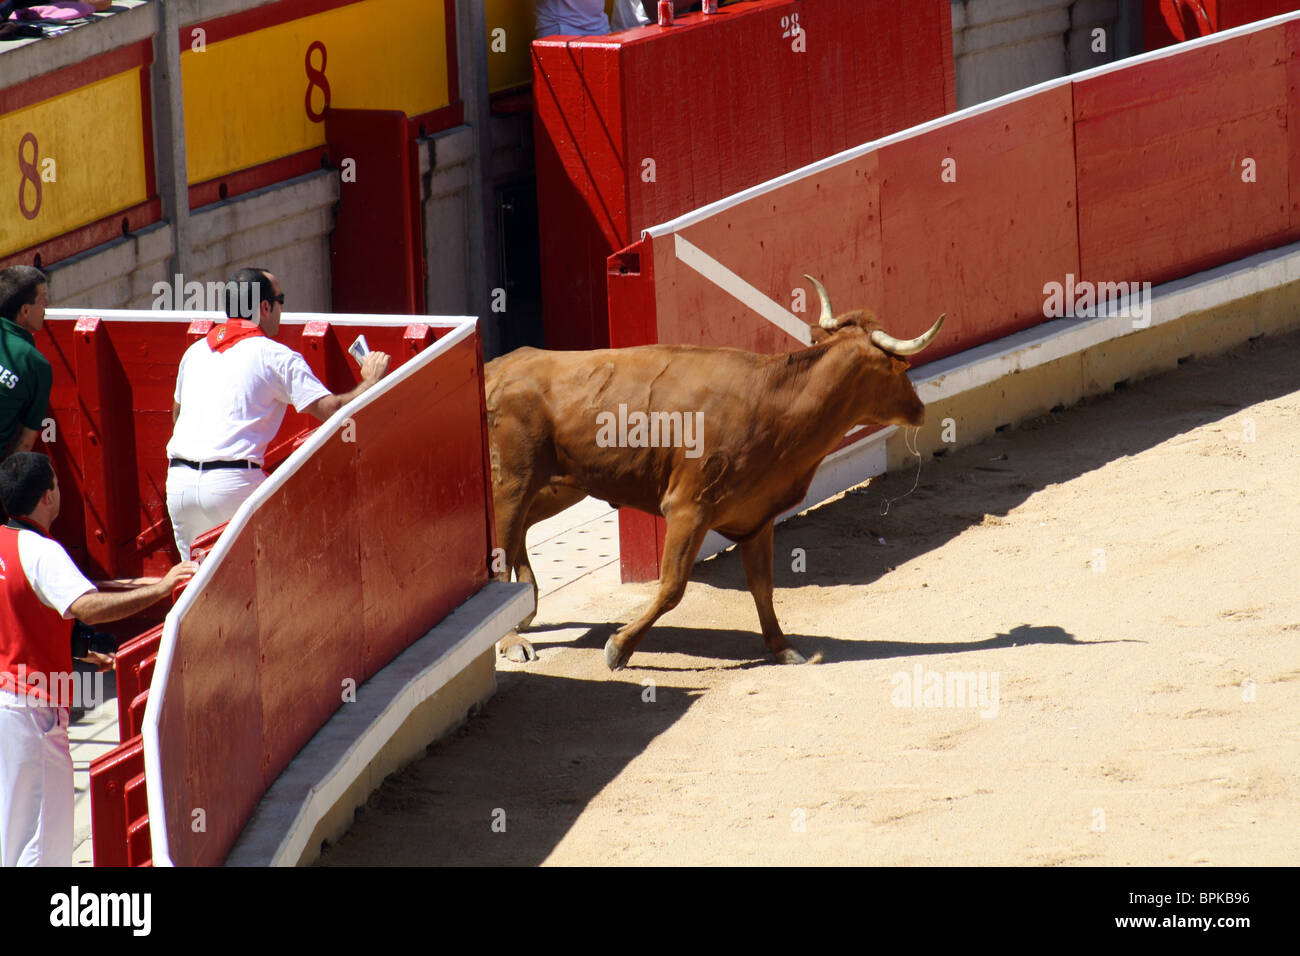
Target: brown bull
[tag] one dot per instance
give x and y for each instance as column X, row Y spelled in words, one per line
column 709, row 438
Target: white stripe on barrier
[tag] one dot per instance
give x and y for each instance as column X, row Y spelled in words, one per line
column 750, row 297
column 735, row 199
column 167, row 648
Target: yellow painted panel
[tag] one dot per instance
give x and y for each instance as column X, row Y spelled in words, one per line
column 89, row 142
column 246, row 97
column 512, row 66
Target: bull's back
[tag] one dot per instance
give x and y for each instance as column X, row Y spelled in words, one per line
column 584, row 407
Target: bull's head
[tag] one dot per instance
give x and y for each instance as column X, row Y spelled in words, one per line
column 894, row 400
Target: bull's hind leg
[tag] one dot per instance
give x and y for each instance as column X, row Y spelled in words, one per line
column 548, row 502
column 756, row 555
column 511, row 504
column 513, row 535
column 685, row 534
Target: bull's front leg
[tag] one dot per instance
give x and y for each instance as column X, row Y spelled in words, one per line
column 756, row 555
column 682, row 540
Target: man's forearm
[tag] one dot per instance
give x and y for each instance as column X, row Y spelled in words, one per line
column 363, row 386
column 99, row 607
column 323, row 408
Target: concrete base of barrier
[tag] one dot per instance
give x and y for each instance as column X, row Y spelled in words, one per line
column 1062, row 361
column 424, row 693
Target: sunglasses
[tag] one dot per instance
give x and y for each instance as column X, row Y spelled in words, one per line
column 277, row 298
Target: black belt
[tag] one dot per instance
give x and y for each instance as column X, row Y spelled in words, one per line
column 209, row 465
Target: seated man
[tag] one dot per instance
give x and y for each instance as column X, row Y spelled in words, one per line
column 232, row 389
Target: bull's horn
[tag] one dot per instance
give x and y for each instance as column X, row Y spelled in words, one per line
column 907, row 346
column 827, row 320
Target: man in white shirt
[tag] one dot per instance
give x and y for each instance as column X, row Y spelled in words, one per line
column 41, row 591
column 232, row 389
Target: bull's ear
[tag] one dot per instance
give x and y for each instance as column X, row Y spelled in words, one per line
column 899, row 365
column 819, row 335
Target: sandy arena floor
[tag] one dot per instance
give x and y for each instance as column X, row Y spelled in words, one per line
column 1120, row 579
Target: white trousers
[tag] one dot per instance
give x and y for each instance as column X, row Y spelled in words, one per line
column 35, row 784
column 198, row 501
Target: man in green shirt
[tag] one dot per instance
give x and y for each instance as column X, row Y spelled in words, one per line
column 25, row 373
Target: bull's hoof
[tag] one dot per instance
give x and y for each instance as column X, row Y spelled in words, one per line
column 789, row 656
column 614, row 658
column 518, row 650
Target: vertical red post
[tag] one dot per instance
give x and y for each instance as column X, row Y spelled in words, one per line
column 416, row 339
column 379, row 212
column 107, row 453
column 315, row 336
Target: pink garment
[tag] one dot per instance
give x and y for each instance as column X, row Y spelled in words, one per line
column 63, row 10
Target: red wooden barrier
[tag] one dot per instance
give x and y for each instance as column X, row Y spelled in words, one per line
column 132, row 679
column 635, row 129
column 377, row 246
column 1160, row 147
column 111, row 400
column 1139, row 173
column 982, row 247
column 109, row 776
column 351, row 557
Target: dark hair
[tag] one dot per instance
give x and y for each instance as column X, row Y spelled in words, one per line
column 24, row 477
column 236, row 302
column 18, row 285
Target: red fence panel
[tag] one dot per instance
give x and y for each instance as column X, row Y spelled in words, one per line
column 1140, row 172
column 644, row 126
column 976, row 216
column 348, row 554
column 377, row 245
column 1160, row 148
column 133, row 672
column 111, row 402
column 109, row 776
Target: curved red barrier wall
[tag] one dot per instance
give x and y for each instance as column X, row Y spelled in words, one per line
column 1144, row 172
column 366, row 545
column 111, row 405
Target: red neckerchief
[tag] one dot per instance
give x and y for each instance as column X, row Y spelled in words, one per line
column 28, row 524
column 231, row 331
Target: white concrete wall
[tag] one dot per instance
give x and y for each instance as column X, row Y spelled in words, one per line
column 1005, row 45
column 284, row 228
column 116, row 275
column 446, row 178
column 448, row 193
